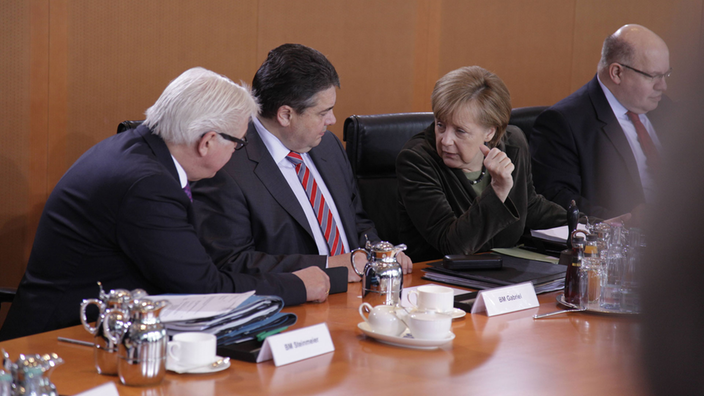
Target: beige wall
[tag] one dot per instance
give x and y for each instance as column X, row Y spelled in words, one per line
column 72, row 70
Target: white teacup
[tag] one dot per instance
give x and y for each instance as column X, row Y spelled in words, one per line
column 192, row 349
column 432, row 298
column 429, row 325
column 382, row 319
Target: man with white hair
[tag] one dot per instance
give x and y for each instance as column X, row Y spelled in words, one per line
column 122, row 214
column 600, row 146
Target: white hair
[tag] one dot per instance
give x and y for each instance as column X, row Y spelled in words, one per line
column 199, row 101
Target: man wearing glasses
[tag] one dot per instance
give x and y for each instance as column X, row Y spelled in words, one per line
column 123, row 213
column 600, row 146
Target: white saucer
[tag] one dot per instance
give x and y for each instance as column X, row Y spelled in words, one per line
column 405, row 340
column 175, row 367
column 456, row 312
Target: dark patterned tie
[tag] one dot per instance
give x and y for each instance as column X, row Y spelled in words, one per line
column 187, row 190
column 646, row 143
column 322, row 212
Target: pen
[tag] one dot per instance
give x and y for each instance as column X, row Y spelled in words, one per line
column 79, row 342
column 261, row 336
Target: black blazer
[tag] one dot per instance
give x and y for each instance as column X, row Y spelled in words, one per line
column 119, row 216
column 580, row 152
column 249, row 216
column 439, row 212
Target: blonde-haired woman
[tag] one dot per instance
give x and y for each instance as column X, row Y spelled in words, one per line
column 464, row 183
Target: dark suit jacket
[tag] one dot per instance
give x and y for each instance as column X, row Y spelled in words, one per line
column 119, row 216
column 248, row 215
column 439, row 212
column 580, row 152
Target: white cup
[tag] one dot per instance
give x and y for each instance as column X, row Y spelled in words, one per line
column 192, row 349
column 429, row 325
column 432, row 298
column 382, row 319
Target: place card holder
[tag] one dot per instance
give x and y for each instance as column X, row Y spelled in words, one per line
column 506, row 299
column 297, row 345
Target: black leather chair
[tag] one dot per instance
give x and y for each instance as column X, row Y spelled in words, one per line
column 7, row 294
column 373, row 143
column 524, row 118
column 126, row 125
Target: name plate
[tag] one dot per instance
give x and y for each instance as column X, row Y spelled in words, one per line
column 106, row 389
column 296, row 345
column 506, row 299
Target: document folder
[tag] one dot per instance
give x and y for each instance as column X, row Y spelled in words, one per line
column 515, row 270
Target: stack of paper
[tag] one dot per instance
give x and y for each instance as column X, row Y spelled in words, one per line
column 557, row 234
column 232, row 317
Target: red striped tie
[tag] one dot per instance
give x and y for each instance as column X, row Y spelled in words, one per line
column 652, row 157
column 322, row 212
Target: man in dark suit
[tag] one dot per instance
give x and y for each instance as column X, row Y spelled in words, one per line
column 256, row 212
column 598, row 145
column 122, row 213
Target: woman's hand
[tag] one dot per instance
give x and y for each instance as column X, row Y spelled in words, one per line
column 500, row 167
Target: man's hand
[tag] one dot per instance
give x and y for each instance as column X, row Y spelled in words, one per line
column 405, row 261
column 343, row 260
column 500, row 167
column 360, row 260
column 623, row 219
column 317, row 283
column 636, row 218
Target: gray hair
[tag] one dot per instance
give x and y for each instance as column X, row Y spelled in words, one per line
column 615, row 50
column 199, row 101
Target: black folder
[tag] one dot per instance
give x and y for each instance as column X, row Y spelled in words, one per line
column 515, row 270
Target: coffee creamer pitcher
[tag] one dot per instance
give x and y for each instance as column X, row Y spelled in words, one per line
column 382, row 278
column 141, row 355
column 104, row 350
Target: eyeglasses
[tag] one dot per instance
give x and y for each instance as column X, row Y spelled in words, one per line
column 650, row 76
column 239, row 143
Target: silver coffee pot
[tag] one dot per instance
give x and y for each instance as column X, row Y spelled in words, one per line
column 141, row 342
column 31, row 375
column 104, row 350
column 382, row 278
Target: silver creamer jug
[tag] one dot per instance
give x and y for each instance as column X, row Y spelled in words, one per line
column 382, row 278
column 141, row 343
column 104, row 350
column 31, row 375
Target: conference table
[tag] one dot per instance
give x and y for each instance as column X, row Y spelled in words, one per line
column 510, row 354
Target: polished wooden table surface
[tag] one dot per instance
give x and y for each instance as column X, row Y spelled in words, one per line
column 512, row 354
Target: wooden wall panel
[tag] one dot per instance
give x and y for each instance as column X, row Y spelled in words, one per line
column 73, row 69
column 122, row 54
column 369, row 42
column 427, row 53
column 677, row 22
column 526, row 43
column 15, row 146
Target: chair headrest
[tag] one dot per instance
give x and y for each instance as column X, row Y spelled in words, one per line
column 379, row 138
column 127, row 125
column 524, row 118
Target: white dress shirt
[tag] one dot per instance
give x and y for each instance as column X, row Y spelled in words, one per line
column 647, row 177
column 182, row 177
column 279, row 152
